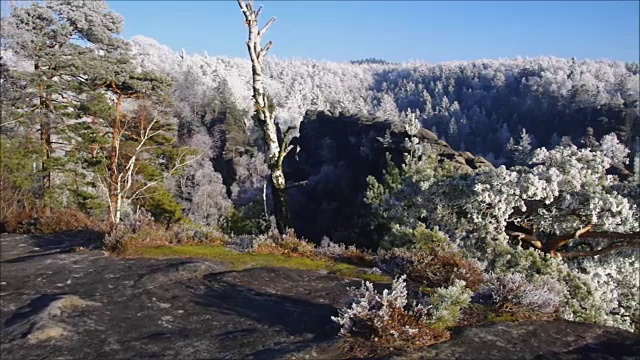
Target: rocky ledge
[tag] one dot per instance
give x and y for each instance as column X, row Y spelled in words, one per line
column 62, row 297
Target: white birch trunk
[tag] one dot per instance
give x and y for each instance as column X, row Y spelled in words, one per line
column 275, row 151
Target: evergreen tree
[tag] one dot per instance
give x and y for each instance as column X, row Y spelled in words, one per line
column 43, row 35
column 520, row 151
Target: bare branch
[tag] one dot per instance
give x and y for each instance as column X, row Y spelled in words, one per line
column 606, row 250
column 264, row 50
column 285, row 147
column 553, row 245
column 612, row 235
column 266, row 26
column 297, row 184
column 9, row 122
column 244, row 9
column 179, row 164
column 527, row 238
column 264, row 116
column 258, row 12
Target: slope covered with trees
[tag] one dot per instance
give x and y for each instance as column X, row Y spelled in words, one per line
column 171, row 148
column 476, row 106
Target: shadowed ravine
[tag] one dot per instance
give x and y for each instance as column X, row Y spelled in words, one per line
column 65, row 304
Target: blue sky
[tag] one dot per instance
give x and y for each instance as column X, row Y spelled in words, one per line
column 397, row 30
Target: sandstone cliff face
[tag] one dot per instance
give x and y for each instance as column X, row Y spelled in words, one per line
column 463, row 162
column 336, row 154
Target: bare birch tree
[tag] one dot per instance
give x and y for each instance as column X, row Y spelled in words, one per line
column 264, row 116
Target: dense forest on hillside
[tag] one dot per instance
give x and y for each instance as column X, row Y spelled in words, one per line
column 382, row 156
column 476, row 106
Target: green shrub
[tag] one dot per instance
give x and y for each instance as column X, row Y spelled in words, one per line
column 248, row 220
column 163, row 206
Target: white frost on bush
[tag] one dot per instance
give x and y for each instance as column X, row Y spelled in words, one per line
column 369, row 306
column 445, row 304
column 563, row 190
column 514, row 292
column 331, row 249
column 371, row 309
column 612, row 149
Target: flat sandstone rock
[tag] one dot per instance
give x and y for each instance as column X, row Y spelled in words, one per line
column 87, row 305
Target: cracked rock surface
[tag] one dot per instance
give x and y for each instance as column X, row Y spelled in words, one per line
column 62, row 298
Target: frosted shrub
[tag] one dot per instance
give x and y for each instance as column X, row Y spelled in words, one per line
column 616, row 280
column 341, row 252
column 369, row 309
column 251, row 243
column 580, row 301
column 194, row 233
column 376, row 323
column 331, row 249
column 565, row 189
column 613, row 150
column 445, row 304
column 242, row 243
column 515, row 294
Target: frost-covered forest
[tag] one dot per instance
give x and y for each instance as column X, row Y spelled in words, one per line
column 476, row 106
column 119, row 131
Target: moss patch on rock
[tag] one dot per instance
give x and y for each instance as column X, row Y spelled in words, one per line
column 240, row 261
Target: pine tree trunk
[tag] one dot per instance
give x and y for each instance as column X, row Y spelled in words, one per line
column 45, row 142
column 115, row 196
column 45, row 133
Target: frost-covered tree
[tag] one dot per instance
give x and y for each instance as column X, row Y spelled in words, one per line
column 553, row 217
column 520, row 151
column 387, row 108
column 547, row 94
column 252, row 173
column 200, row 188
column 129, row 143
column 276, row 146
column 636, row 161
column 615, row 152
column 48, row 36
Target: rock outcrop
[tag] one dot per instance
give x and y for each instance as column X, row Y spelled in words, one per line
column 88, row 305
column 335, row 155
column 538, row 340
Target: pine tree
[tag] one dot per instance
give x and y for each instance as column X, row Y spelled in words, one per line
column 520, row 151
column 554, row 141
column 42, row 34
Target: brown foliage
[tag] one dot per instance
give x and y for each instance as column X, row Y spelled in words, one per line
column 346, row 254
column 45, row 221
column 478, row 314
column 123, row 239
column 400, row 332
column 287, row 244
column 356, row 257
column 13, row 222
column 147, row 233
column 433, row 269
